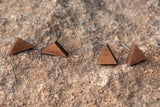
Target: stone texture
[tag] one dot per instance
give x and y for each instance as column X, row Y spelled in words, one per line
column 83, row 28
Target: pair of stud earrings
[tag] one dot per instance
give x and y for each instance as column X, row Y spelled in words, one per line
column 52, row 49
column 135, row 56
column 107, row 57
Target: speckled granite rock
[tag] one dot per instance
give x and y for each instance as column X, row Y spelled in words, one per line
column 83, row 27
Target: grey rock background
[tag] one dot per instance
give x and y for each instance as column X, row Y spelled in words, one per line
column 83, row 28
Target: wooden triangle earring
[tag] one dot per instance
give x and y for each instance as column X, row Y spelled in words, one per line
column 20, row 45
column 55, row 49
column 135, row 55
column 107, row 57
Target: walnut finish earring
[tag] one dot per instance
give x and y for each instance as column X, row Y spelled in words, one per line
column 107, row 57
column 135, row 55
column 19, row 46
column 55, row 49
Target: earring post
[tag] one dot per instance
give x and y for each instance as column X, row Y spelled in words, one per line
column 125, row 46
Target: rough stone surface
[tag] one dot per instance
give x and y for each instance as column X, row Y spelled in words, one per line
column 83, row 28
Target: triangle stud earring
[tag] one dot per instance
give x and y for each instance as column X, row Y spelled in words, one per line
column 19, row 46
column 55, row 49
column 107, row 57
column 135, row 55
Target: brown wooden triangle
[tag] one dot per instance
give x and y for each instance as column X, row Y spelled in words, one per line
column 135, row 55
column 20, row 45
column 55, row 49
column 107, row 57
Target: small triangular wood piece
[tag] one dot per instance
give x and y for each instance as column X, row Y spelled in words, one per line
column 20, row 45
column 55, row 49
column 135, row 55
column 107, row 57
